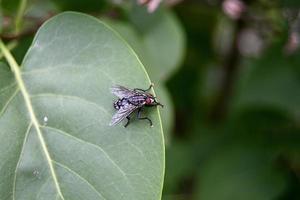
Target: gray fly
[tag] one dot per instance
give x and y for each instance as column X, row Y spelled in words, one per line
column 131, row 100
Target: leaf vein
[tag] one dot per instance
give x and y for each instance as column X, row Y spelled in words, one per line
column 7, row 87
column 70, row 97
column 19, row 159
column 81, row 177
column 19, row 79
column 8, row 102
column 88, row 143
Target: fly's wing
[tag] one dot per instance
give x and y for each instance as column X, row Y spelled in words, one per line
column 123, row 112
column 122, row 92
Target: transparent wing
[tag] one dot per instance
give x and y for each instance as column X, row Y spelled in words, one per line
column 122, row 92
column 123, row 112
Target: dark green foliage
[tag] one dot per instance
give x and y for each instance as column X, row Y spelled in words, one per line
column 231, row 90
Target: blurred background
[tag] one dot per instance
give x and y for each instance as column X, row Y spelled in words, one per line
column 228, row 73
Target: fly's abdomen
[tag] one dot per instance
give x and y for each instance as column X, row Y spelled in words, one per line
column 137, row 100
column 120, row 103
column 116, row 105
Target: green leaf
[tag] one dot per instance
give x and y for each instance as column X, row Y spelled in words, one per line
column 271, row 81
column 162, row 38
column 241, row 171
column 167, row 112
column 79, row 5
column 164, row 33
column 7, row 84
column 55, row 141
column 290, row 3
column 9, row 6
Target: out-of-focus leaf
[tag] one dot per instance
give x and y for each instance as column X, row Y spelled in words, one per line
column 79, row 5
column 272, row 81
column 9, row 6
column 58, row 144
column 240, row 171
column 290, row 3
column 41, row 9
column 163, row 40
column 130, row 35
column 192, row 153
column 1, row 20
column 177, row 170
column 167, row 113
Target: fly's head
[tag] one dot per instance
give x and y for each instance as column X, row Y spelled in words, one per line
column 150, row 100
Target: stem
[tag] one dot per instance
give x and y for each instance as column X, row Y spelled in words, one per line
column 37, row 22
column 11, row 61
column 19, row 16
column 220, row 109
column 10, row 46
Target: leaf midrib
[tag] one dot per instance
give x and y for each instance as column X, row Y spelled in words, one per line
column 17, row 73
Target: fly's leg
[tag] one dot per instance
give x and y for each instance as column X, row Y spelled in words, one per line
column 143, row 118
column 138, row 89
column 128, row 121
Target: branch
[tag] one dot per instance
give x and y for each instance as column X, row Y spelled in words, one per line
column 220, row 109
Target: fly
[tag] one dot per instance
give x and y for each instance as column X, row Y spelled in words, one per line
column 131, row 100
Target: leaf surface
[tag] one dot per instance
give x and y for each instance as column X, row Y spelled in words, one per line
column 55, row 141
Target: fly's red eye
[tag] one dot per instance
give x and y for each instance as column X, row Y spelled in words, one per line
column 148, row 101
